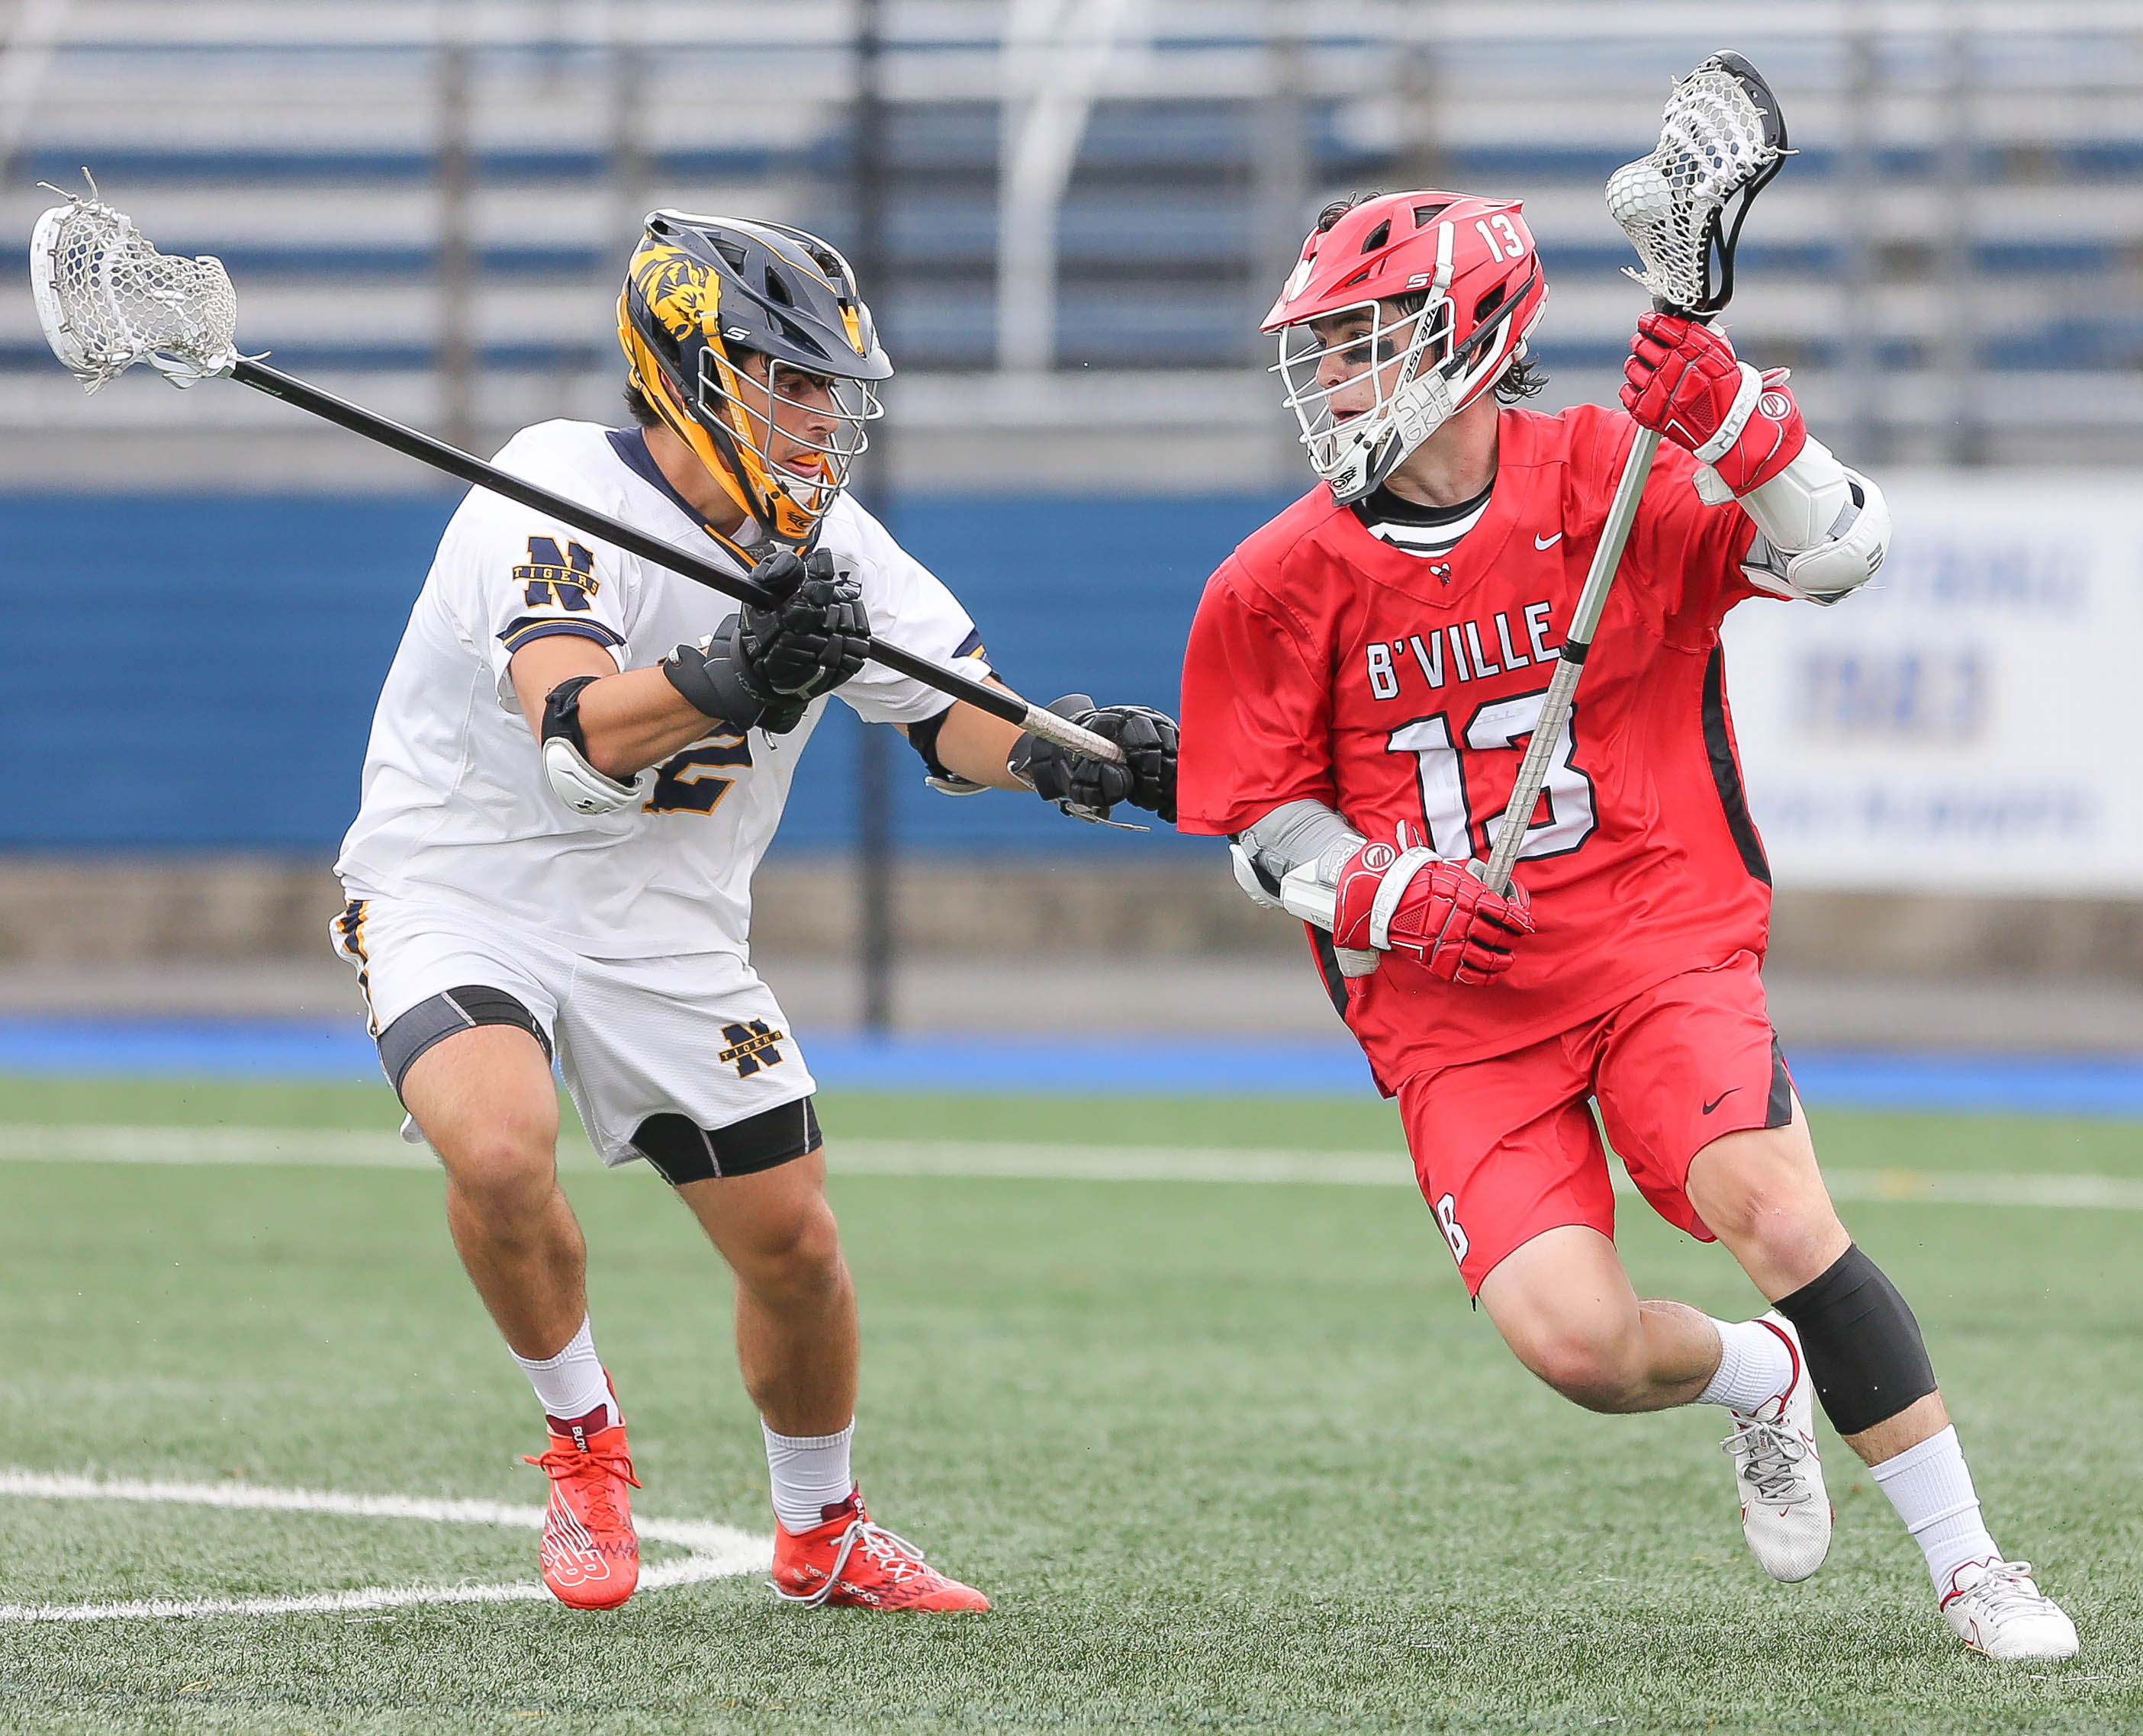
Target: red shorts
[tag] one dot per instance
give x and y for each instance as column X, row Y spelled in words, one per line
column 1506, row 1148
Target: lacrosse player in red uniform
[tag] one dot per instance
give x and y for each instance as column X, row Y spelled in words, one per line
column 1362, row 677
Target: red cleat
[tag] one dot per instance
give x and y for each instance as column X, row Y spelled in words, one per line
column 591, row 1554
column 848, row 1560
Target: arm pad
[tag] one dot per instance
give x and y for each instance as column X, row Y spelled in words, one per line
column 574, row 781
column 1822, row 529
column 1294, row 856
column 923, row 737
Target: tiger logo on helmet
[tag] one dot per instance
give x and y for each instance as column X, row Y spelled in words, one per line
column 703, row 296
column 679, row 290
column 1448, row 286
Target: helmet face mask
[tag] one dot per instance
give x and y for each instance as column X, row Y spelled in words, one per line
column 1402, row 310
column 750, row 343
column 800, row 432
column 1364, row 387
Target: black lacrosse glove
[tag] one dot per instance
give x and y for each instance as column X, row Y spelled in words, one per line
column 1088, row 788
column 763, row 667
column 815, row 637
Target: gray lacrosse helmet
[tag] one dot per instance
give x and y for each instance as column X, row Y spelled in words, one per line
column 703, row 293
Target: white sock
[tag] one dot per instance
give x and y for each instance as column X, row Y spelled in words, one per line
column 1755, row 1366
column 810, row 1473
column 570, row 1385
column 1930, row 1486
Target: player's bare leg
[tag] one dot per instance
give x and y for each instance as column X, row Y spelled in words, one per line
column 1564, row 1304
column 798, row 1343
column 1762, row 1194
column 484, row 1099
column 798, row 1346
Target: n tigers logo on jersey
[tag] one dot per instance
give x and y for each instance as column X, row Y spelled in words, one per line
column 751, row 1046
column 554, row 579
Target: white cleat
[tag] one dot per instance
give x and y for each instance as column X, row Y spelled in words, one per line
column 1785, row 1510
column 1999, row 1612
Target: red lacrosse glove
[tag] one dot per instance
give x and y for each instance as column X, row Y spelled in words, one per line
column 1685, row 384
column 1411, row 902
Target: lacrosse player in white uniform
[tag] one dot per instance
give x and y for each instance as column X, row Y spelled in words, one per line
column 578, row 760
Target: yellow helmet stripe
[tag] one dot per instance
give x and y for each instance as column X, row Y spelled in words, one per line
column 654, row 386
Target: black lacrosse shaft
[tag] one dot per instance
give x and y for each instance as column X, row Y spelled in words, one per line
column 455, row 462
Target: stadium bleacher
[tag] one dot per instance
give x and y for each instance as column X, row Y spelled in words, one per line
column 1952, row 269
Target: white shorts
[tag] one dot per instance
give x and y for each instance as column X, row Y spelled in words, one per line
column 697, row 1034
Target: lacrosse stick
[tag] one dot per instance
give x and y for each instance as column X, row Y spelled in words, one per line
column 107, row 299
column 1721, row 138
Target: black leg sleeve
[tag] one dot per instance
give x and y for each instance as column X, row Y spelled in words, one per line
column 1864, row 1350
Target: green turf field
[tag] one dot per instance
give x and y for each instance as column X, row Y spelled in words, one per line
column 1227, row 1457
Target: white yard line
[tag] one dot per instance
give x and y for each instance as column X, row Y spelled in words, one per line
column 119, row 1144
column 986, row 1159
column 713, row 1551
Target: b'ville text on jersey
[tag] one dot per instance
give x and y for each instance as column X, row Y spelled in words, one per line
column 1476, row 649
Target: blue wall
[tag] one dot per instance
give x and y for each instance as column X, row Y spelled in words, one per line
column 199, row 674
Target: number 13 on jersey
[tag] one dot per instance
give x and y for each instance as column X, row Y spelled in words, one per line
column 1449, row 769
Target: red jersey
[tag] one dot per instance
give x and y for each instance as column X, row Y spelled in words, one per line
column 1325, row 665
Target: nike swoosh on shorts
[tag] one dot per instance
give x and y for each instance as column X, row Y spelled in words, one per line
column 1540, row 542
column 1721, row 1098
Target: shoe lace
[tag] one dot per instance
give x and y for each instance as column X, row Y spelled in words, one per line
column 2008, row 1589
column 1769, row 1457
column 594, row 1470
column 896, row 1559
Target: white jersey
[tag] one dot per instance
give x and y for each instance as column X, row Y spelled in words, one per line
column 456, row 809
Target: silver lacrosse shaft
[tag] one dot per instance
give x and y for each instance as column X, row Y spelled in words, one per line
column 1562, row 687
column 1721, row 137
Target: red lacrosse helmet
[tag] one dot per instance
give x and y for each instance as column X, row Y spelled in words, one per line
column 1450, row 285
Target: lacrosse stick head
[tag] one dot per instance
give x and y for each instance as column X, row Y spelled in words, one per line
column 1721, row 140
column 107, row 299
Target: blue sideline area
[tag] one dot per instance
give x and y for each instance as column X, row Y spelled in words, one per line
column 275, row 1049
column 199, row 674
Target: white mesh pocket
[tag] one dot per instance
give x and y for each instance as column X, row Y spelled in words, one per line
column 1713, row 143
column 107, row 299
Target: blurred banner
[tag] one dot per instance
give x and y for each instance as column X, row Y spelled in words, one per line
column 1967, row 723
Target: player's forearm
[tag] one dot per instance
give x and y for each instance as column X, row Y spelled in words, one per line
column 634, row 719
column 976, row 746
column 629, row 720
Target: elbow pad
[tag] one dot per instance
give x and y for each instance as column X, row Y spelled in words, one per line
column 1822, row 529
column 574, row 781
column 923, row 737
